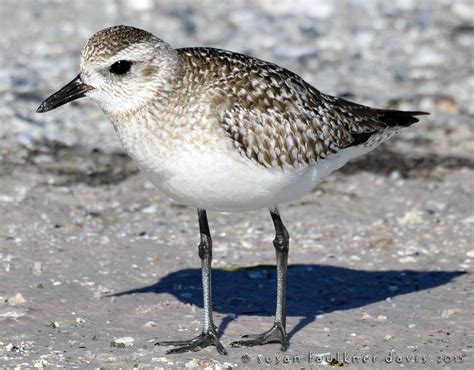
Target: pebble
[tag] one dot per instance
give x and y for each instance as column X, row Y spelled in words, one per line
column 36, row 269
column 410, row 218
column 396, row 175
column 40, row 364
column 149, row 324
column 12, row 315
column 100, row 291
column 463, row 11
column 366, row 316
column 448, row 313
column 469, row 220
column 408, row 259
column 193, row 364
column 153, row 209
column 16, row 300
column 123, row 342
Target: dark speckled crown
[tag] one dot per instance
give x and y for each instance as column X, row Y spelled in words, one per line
column 109, row 41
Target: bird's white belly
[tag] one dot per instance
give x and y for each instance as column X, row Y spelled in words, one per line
column 219, row 182
column 225, row 182
column 216, row 177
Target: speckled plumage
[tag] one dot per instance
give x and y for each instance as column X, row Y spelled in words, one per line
column 109, row 41
column 272, row 115
column 220, row 130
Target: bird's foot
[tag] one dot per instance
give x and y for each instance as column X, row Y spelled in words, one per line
column 276, row 334
column 203, row 340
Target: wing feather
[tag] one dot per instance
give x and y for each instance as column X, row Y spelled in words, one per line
column 276, row 119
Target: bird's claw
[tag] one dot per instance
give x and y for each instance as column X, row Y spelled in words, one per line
column 203, row 340
column 276, row 334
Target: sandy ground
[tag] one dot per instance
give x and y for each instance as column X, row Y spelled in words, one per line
column 381, row 252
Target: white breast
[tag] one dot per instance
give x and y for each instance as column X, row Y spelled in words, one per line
column 211, row 174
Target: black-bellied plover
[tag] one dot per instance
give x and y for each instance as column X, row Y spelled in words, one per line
column 222, row 131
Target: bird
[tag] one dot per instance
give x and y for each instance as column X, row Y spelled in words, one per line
column 222, row 131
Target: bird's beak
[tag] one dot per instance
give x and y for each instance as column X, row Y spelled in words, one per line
column 73, row 90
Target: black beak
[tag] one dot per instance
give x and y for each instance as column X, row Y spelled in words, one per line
column 73, row 90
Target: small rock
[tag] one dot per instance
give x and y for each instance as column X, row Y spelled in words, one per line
column 8, row 347
column 366, row 316
column 470, row 253
column 448, row 313
column 194, row 363
column 396, row 175
column 463, row 10
column 469, row 220
column 150, row 209
column 123, row 342
column 16, row 300
column 11, row 315
column 407, row 259
column 37, row 270
column 223, row 366
column 448, row 104
column 41, row 363
column 54, row 325
column 149, row 324
column 100, row 291
column 80, row 320
column 410, row 218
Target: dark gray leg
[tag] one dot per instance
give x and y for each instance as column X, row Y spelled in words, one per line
column 208, row 336
column 278, row 331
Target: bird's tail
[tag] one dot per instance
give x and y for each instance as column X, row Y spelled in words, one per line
column 391, row 119
column 399, row 118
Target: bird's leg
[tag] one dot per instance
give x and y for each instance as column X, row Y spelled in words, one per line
column 277, row 333
column 208, row 335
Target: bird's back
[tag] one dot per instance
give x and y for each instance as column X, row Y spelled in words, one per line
column 275, row 118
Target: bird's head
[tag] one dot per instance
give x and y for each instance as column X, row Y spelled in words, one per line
column 122, row 69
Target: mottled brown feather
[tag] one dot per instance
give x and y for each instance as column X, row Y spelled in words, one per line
column 274, row 117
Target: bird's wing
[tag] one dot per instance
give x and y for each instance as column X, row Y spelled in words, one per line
column 276, row 119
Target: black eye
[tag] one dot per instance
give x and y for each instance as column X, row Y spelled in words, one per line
column 121, row 67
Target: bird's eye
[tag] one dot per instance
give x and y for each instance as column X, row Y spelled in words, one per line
column 121, row 67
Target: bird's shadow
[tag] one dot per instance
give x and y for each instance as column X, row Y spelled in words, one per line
column 312, row 289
